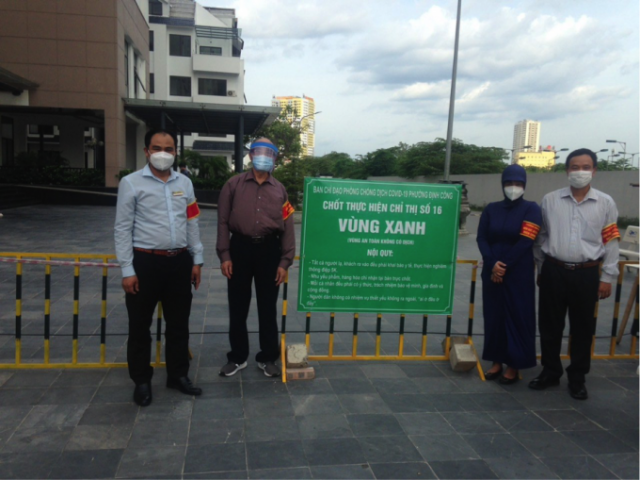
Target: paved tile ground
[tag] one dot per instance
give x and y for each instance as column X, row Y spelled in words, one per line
column 355, row 420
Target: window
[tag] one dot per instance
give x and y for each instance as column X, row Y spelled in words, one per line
column 151, row 40
column 126, row 65
column 180, row 45
column 210, row 86
column 210, row 50
column 155, row 7
column 180, row 86
column 152, row 83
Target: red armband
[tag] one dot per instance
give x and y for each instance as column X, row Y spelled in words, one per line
column 287, row 210
column 529, row 230
column 193, row 211
column 609, row 233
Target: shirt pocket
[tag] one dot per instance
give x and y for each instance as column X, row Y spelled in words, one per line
column 592, row 231
column 179, row 204
column 272, row 207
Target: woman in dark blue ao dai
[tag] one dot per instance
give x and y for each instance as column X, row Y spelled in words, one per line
column 506, row 235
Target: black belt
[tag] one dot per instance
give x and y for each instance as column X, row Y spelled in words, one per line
column 572, row 266
column 164, row 253
column 257, row 239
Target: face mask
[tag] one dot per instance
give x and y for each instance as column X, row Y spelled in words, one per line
column 161, row 160
column 262, row 163
column 513, row 193
column 580, row 178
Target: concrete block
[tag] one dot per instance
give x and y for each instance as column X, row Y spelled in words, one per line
column 454, row 341
column 306, row 373
column 462, row 358
column 297, row 355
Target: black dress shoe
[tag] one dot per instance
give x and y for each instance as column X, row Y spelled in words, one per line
column 142, row 394
column 492, row 375
column 184, row 385
column 509, row 381
column 578, row 391
column 543, row 381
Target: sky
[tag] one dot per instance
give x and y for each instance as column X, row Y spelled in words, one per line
column 380, row 71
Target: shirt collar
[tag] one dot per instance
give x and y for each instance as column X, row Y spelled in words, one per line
column 592, row 194
column 146, row 172
column 251, row 176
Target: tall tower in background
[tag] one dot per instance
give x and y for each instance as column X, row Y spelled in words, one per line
column 302, row 114
column 526, row 133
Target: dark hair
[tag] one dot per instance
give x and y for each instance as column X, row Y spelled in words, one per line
column 182, row 164
column 155, row 131
column 579, row 152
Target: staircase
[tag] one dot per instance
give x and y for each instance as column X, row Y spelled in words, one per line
column 12, row 197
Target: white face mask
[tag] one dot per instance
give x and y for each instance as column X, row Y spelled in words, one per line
column 513, row 193
column 580, row 178
column 161, row 160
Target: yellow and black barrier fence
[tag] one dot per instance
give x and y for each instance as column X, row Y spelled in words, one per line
column 106, row 262
column 77, row 261
column 377, row 356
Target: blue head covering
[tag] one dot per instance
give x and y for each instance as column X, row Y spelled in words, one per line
column 514, row 173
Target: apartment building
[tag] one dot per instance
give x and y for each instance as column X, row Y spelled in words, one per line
column 541, row 159
column 301, row 113
column 195, row 56
column 64, row 68
column 76, row 80
column 526, row 137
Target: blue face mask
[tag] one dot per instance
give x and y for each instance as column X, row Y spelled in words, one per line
column 262, row 163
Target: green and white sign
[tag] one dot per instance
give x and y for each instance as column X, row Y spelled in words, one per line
column 378, row 247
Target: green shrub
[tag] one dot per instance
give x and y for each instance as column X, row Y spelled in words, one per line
column 624, row 222
column 123, row 173
column 52, row 175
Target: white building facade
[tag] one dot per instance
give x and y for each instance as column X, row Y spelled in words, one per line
column 194, row 56
column 526, row 133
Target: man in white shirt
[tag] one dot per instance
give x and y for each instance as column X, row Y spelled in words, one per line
column 579, row 231
column 159, row 250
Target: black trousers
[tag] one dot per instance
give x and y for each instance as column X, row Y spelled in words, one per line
column 577, row 291
column 166, row 280
column 256, row 262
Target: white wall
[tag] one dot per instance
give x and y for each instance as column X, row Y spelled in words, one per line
column 484, row 189
column 21, row 100
column 205, row 19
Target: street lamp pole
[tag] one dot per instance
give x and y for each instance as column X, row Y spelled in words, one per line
column 299, row 120
column 452, row 99
column 624, row 150
column 514, row 160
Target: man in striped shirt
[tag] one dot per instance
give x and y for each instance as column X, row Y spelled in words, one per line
column 579, row 231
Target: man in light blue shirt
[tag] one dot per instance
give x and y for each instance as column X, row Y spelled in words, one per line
column 579, row 232
column 158, row 247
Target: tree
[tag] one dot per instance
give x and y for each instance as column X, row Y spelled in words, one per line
column 615, row 165
column 427, row 158
column 208, row 172
column 382, row 162
column 283, row 134
column 291, row 175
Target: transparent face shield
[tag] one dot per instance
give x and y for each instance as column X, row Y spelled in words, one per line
column 263, row 149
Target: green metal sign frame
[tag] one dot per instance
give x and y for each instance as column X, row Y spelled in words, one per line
column 380, row 247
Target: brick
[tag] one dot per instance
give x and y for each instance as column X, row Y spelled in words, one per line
column 306, row 373
column 463, row 358
column 297, row 355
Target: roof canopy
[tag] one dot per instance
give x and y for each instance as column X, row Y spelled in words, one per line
column 201, row 118
column 10, row 82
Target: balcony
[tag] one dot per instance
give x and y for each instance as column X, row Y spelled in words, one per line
column 233, row 34
column 217, row 64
